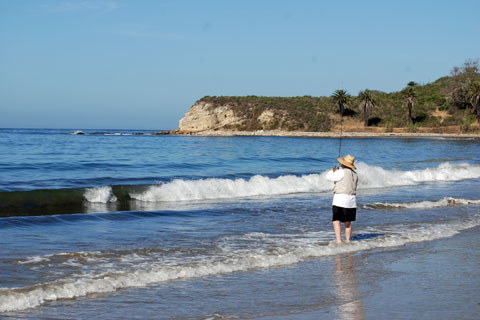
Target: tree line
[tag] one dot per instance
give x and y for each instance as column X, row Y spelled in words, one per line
column 458, row 94
column 465, row 95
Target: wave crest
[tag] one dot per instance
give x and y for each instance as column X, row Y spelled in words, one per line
column 181, row 190
column 444, row 202
column 100, row 195
column 369, row 177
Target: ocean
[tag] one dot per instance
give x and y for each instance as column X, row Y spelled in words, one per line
column 127, row 224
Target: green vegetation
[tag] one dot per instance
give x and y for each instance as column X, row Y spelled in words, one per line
column 474, row 97
column 296, row 113
column 410, row 99
column 412, row 108
column 341, row 98
column 367, row 102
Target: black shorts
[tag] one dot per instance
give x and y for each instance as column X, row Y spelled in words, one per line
column 343, row 214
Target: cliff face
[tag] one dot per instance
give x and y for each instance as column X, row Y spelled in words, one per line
column 204, row 116
column 252, row 113
column 207, row 116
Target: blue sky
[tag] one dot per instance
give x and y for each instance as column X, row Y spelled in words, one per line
column 143, row 64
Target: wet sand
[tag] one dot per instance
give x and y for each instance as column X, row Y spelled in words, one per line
column 439, row 282
column 429, row 280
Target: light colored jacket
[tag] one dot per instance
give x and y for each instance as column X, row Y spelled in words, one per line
column 348, row 184
column 344, row 200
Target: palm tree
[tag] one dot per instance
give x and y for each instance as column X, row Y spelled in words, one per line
column 412, row 84
column 341, row 98
column 367, row 102
column 474, row 97
column 409, row 95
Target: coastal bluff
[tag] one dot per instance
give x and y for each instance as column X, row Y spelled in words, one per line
column 449, row 105
column 251, row 113
column 205, row 116
column 226, row 118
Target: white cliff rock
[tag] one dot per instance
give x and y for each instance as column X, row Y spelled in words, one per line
column 266, row 117
column 202, row 116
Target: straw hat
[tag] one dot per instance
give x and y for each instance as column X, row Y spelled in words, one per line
column 348, row 161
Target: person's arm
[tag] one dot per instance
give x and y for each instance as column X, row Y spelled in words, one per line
column 335, row 175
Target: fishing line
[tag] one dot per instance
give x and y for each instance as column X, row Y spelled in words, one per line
column 341, row 131
column 340, row 143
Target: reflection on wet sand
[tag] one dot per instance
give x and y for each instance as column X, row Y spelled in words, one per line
column 350, row 305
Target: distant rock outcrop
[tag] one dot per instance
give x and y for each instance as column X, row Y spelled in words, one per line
column 204, row 116
column 256, row 113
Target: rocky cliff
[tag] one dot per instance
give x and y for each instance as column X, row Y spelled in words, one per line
column 255, row 113
column 204, row 116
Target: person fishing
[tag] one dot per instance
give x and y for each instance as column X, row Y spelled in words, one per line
column 344, row 206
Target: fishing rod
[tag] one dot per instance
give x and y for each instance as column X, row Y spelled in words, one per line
column 337, row 166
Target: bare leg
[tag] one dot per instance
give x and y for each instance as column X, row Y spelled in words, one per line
column 348, row 230
column 338, row 231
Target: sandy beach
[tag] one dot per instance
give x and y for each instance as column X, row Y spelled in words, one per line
column 278, row 133
column 429, row 280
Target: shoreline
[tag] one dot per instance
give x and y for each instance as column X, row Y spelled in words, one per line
column 278, row 133
column 402, row 277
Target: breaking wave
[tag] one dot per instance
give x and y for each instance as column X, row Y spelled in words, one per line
column 76, row 200
column 100, row 195
column 444, row 202
column 182, row 190
column 231, row 260
column 370, row 177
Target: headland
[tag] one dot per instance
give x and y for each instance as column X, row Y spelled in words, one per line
column 447, row 107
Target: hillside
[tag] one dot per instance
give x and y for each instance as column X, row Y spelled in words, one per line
column 441, row 106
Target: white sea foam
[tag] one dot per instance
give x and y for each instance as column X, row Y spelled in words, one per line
column 370, row 177
column 377, row 177
column 178, row 189
column 82, row 255
column 117, row 134
column 239, row 260
column 444, row 202
column 34, row 259
column 100, row 195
